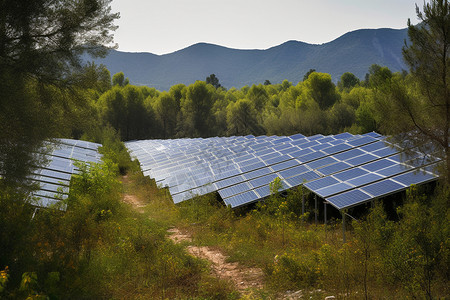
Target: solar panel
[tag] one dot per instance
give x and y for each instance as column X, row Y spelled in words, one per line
column 333, row 189
column 241, row 168
column 54, row 175
column 383, row 187
column 414, row 177
column 349, row 174
column 293, row 171
column 333, row 168
column 241, row 199
column 348, row 199
column 321, row 183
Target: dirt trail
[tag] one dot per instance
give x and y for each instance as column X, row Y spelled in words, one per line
column 135, row 202
column 242, row 277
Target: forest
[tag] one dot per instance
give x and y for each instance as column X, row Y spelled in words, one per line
column 102, row 247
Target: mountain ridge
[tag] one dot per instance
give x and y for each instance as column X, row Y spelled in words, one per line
column 354, row 52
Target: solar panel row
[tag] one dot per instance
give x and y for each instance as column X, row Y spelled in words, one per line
column 240, row 169
column 54, row 174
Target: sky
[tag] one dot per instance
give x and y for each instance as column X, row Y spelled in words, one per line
column 165, row 26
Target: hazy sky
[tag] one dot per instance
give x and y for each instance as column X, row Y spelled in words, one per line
column 164, row 26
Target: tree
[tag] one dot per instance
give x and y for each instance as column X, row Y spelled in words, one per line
column 166, row 110
column 41, row 43
column 120, row 80
column 213, row 80
column 241, row 118
column 348, row 80
column 267, row 82
column 308, row 73
column 322, row 89
column 422, row 110
column 196, row 110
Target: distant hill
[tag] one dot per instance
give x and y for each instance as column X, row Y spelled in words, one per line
column 353, row 52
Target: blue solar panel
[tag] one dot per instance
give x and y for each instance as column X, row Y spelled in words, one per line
column 262, row 180
column 277, row 159
column 362, row 159
column 327, row 170
column 336, row 148
column 252, row 167
column 257, row 173
column 297, row 136
column 348, row 154
column 372, row 134
column 364, row 179
column 234, row 189
column 300, row 152
column 243, row 167
column 263, row 191
column 302, row 178
column 394, row 170
column 361, row 141
column 326, row 139
column 321, row 183
column 385, row 152
column 321, row 146
column 374, row 146
column 284, row 165
column 321, row 162
column 333, row 189
column 414, row 177
column 241, row 199
column 311, row 156
column 229, row 181
column 344, row 135
column 269, row 156
column 348, row 199
column 248, row 162
column 289, row 150
column 307, row 145
column 349, row 174
column 378, row 165
column 382, row 188
column 293, row 171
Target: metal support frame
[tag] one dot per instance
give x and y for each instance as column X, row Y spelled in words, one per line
column 303, row 202
column 315, row 209
column 325, row 213
column 343, row 225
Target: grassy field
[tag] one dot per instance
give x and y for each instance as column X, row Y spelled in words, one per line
column 103, row 247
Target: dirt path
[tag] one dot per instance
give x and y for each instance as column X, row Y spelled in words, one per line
column 135, row 202
column 243, row 278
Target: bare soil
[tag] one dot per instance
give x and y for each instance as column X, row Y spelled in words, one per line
column 244, row 278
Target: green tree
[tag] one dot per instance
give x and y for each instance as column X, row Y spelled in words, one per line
column 196, row 109
column 41, row 43
column 119, row 79
column 213, row 80
column 422, row 108
column 241, row 118
column 348, row 81
column 166, row 110
column 322, row 89
column 308, row 73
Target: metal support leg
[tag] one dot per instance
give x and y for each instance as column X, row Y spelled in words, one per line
column 303, row 203
column 343, row 225
column 315, row 209
column 325, row 213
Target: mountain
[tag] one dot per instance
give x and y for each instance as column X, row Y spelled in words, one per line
column 353, row 52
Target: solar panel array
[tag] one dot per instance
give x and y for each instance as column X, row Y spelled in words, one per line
column 344, row 169
column 54, row 175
